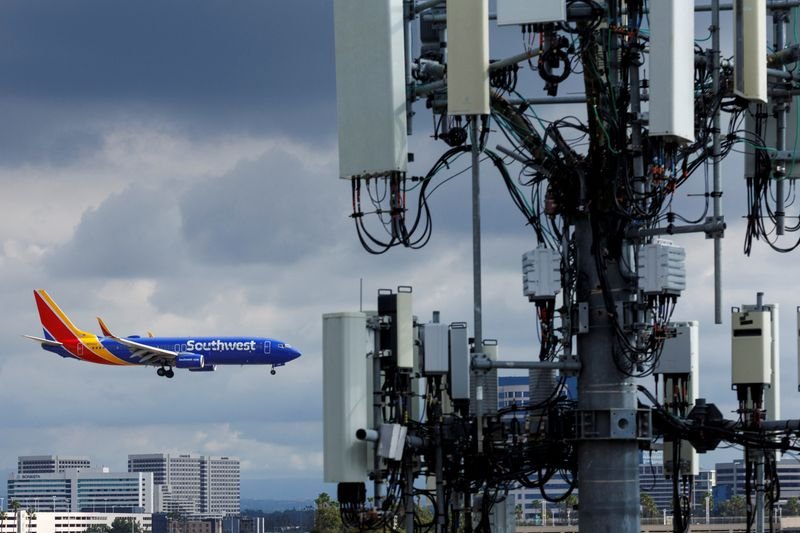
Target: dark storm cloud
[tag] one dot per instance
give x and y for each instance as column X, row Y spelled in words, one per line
column 268, row 211
column 206, row 66
column 131, row 234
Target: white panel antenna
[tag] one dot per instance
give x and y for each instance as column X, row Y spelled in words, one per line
column 750, row 49
column 346, row 396
column 526, row 12
column 370, row 87
column 468, row 57
column 672, row 70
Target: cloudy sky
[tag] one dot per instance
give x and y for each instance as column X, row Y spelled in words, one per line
column 172, row 167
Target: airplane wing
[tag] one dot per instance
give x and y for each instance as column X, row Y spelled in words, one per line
column 46, row 342
column 148, row 355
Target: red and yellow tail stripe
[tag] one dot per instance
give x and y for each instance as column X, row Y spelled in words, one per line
column 81, row 344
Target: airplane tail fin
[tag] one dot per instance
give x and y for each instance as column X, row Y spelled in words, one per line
column 56, row 324
column 104, row 328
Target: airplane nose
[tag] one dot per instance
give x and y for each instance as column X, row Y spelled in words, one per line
column 294, row 354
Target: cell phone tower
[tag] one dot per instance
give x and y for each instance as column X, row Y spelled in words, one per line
column 599, row 196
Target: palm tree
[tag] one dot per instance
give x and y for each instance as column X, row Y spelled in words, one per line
column 2, row 519
column 14, row 505
column 31, row 512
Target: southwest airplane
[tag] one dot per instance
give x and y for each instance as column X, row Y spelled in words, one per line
column 198, row 354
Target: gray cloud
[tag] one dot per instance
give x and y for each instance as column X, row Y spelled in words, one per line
column 269, row 211
column 208, row 68
column 131, row 234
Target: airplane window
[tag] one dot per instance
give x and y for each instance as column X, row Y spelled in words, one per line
column 281, row 345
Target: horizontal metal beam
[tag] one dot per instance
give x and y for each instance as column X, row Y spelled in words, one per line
column 484, row 363
column 708, row 227
column 513, row 60
column 774, row 4
column 549, row 100
column 422, row 6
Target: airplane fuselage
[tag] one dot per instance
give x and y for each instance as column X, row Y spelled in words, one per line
column 213, row 350
column 201, row 354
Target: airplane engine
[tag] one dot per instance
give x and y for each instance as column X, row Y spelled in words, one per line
column 207, row 368
column 189, row 360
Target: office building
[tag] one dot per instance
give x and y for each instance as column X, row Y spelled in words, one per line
column 46, row 522
column 731, row 478
column 51, row 464
column 192, row 485
column 85, row 491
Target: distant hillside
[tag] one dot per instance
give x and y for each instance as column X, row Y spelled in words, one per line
column 271, row 506
column 285, row 489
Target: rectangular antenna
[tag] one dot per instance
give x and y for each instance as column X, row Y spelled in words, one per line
column 526, row 12
column 750, row 49
column 468, row 57
column 672, row 69
column 370, row 87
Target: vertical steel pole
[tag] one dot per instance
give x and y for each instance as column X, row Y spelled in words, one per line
column 476, row 230
column 779, row 19
column 717, row 192
column 609, row 468
column 608, row 464
column 409, row 14
column 476, row 292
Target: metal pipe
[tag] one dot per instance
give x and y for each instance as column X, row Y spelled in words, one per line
column 708, row 227
column 441, row 511
column 784, row 56
column 484, row 363
column 422, row 6
column 408, row 18
column 513, row 60
column 717, row 190
column 476, row 271
column 476, row 231
column 774, row 4
column 369, row 435
column 549, row 100
column 779, row 20
column 777, row 73
column 512, row 154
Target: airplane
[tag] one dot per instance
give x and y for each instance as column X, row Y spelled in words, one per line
column 197, row 354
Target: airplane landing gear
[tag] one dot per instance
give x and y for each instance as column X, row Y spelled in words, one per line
column 272, row 372
column 165, row 372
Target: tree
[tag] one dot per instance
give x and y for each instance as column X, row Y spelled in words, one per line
column 735, row 506
column 125, row 525
column 326, row 516
column 649, row 507
column 31, row 512
column 567, row 506
column 97, row 529
column 792, row 507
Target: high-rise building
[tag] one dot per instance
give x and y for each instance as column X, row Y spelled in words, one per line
column 731, row 480
column 74, row 490
column 192, row 485
column 51, row 464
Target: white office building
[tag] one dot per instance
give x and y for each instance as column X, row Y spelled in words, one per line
column 83, row 491
column 192, row 485
column 51, row 464
column 45, row 522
